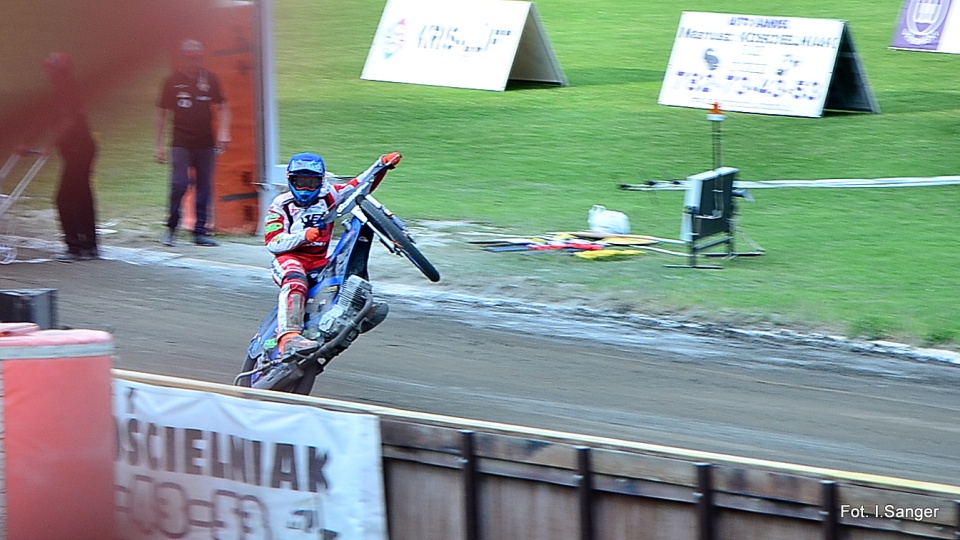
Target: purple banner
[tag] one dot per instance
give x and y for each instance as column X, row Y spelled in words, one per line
column 921, row 24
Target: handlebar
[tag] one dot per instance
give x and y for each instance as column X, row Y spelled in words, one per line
column 364, row 185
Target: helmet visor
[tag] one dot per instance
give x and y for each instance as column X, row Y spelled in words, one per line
column 303, row 182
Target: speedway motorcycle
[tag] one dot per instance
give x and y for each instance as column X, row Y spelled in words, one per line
column 340, row 300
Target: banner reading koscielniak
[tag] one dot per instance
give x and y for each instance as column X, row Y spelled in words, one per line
column 194, row 465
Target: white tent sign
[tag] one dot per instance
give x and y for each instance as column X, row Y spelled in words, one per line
column 201, row 465
column 768, row 65
column 478, row 44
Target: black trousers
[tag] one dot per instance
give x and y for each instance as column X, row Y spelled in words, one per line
column 75, row 198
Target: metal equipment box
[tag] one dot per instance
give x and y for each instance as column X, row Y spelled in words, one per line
column 38, row 306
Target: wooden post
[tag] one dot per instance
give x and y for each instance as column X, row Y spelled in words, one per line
column 585, row 493
column 471, row 511
column 706, row 512
column 829, row 511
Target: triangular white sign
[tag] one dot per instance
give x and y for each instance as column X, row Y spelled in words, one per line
column 787, row 66
column 479, row 44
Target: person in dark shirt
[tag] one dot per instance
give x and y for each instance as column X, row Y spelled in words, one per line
column 78, row 150
column 191, row 95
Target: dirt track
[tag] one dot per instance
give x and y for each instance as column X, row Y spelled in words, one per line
column 183, row 314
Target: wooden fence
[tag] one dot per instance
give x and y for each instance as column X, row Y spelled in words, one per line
column 457, row 479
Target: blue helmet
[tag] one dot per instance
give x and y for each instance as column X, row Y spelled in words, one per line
column 306, row 176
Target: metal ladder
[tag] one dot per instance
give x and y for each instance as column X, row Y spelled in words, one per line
column 8, row 248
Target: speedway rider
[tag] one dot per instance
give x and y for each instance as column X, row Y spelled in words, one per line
column 295, row 232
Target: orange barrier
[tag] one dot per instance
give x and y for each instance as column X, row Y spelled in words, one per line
column 231, row 55
column 231, row 44
column 57, row 454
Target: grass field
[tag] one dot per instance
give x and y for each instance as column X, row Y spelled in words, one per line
column 869, row 263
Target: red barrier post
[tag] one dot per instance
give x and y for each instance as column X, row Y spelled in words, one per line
column 58, row 449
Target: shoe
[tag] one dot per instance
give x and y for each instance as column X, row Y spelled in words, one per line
column 74, row 256
column 68, row 256
column 293, row 343
column 377, row 315
column 204, row 240
column 168, row 239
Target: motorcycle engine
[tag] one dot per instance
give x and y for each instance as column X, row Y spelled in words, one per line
column 353, row 295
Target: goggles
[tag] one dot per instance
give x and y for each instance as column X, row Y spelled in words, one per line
column 305, row 182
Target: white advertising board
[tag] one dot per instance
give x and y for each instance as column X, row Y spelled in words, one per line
column 201, row 465
column 767, row 65
column 478, row 44
column 928, row 25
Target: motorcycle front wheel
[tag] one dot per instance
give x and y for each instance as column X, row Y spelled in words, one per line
column 400, row 239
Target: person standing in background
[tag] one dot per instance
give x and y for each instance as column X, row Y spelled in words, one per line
column 191, row 94
column 78, row 149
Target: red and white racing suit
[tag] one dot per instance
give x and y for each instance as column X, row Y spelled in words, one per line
column 285, row 236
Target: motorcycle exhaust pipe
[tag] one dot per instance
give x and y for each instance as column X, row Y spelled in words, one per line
column 278, row 376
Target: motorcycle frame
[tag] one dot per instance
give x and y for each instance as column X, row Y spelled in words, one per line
column 349, row 257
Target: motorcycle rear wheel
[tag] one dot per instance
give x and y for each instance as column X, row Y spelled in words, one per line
column 302, row 386
column 403, row 243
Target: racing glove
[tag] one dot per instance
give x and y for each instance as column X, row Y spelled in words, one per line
column 391, row 160
column 311, row 235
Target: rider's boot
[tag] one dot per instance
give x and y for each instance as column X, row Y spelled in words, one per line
column 290, row 323
column 377, row 315
column 293, row 343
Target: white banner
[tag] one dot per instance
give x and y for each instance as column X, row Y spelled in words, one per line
column 201, row 465
column 447, row 43
column 767, row 65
